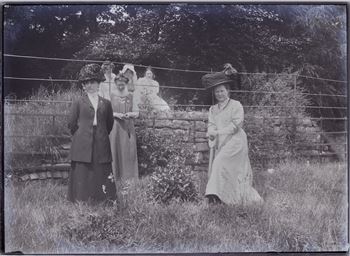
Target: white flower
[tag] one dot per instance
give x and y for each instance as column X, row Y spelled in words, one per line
column 111, row 177
column 270, row 170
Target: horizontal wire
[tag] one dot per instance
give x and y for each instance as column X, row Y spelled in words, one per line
column 69, row 136
column 49, row 153
column 39, row 79
column 258, row 117
column 320, row 132
column 40, row 101
column 175, row 87
column 38, row 136
column 304, row 93
column 164, row 68
column 76, row 81
column 101, row 61
column 186, row 105
column 323, row 94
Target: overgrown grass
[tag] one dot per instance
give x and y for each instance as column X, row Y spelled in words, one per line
column 34, row 120
column 305, row 210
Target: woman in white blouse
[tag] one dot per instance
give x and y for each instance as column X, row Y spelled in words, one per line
column 105, row 86
column 230, row 173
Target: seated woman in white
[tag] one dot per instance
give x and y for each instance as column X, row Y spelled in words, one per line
column 147, row 89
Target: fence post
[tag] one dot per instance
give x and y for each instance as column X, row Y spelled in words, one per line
column 321, row 127
column 294, row 118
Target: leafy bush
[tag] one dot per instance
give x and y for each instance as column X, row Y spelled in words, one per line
column 159, row 148
column 164, row 154
column 271, row 124
column 173, row 182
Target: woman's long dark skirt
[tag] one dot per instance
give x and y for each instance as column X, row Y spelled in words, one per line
column 91, row 181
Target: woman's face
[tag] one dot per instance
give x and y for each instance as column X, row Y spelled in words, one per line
column 129, row 74
column 107, row 69
column 91, row 86
column 120, row 85
column 149, row 74
column 221, row 93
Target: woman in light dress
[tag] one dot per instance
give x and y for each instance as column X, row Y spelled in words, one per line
column 105, row 87
column 123, row 136
column 230, row 173
column 147, row 90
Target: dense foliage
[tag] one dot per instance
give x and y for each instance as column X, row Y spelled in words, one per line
column 273, row 119
column 174, row 182
column 309, row 39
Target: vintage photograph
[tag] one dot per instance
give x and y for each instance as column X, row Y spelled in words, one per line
column 175, row 127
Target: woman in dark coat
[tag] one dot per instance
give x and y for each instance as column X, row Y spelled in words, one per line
column 90, row 122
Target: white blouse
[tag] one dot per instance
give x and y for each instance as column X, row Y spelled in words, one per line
column 94, row 101
column 106, row 87
column 226, row 120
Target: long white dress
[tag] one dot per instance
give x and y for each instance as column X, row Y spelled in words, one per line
column 148, row 89
column 230, row 176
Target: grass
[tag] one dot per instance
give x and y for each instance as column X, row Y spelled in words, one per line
column 305, row 210
column 29, row 125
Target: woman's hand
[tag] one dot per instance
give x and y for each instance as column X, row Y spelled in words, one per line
column 118, row 115
column 212, row 134
column 131, row 115
column 212, row 137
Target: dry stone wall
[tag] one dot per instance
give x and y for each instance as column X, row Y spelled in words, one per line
column 192, row 126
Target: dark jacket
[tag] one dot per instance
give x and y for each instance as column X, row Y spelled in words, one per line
column 81, row 126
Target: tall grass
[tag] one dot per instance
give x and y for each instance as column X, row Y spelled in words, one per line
column 305, row 210
column 30, row 125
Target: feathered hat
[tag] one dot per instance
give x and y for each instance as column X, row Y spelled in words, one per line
column 219, row 78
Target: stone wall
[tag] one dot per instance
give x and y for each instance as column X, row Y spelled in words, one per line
column 192, row 126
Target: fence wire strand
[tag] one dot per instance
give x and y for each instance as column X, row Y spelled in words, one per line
column 66, row 136
column 165, row 68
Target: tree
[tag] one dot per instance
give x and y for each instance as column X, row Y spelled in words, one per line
column 308, row 39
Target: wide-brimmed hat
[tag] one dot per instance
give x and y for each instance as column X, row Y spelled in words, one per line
column 214, row 79
column 91, row 72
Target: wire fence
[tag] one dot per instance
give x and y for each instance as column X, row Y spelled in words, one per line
column 54, row 116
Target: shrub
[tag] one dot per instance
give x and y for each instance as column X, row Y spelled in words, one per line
column 271, row 125
column 159, row 148
column 173, row 182
column 164, row 154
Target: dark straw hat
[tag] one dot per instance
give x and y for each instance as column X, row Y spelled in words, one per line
column 91, row 72
column 219, row 78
